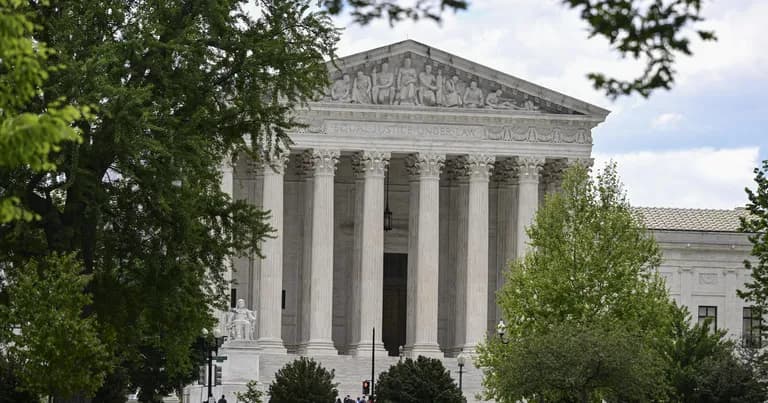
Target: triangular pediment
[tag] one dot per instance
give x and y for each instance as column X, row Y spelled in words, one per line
column 412, row 74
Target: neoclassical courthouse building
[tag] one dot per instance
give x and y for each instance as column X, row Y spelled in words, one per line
column 405, row 195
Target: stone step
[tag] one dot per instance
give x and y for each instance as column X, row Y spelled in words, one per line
column 349, row 373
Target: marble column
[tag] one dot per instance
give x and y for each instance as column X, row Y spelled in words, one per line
column 424, row 170
column 505, row 175
column 228, row 188
column 457, row 172
column 528, row 169
column 475, row 279
column 318, row 339
column 368, row 262
column 271, row 267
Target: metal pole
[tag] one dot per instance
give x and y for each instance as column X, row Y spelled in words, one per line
column 373, row 360
column 210, row 372
column 461, row 372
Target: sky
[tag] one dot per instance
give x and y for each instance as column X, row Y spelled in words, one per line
column 692, row 147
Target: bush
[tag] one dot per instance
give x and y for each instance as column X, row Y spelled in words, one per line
column 303, row 381
column 420, row 381
column 252, row 393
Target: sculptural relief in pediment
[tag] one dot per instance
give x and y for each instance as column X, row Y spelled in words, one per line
column 415, row 80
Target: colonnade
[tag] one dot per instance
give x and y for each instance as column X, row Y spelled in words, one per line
column 518, row 179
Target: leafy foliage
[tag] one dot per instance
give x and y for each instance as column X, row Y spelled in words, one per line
column 27, row 139
column 365, row 11
column 591, row 266
column 656, row 31
column 46, row 332
column 581, row 364
column 303, row 381
column 138, row 201
column 252, row 393
column 756, row 224
column 703, row 367
column 10, row 384
column 417, row 381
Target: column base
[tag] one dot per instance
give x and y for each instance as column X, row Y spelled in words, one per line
column 317, row 347
column 427, row 350
column 465, row 348
column 272, row 345
column 363, row 349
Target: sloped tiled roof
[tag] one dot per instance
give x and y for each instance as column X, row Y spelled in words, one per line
column 684, row 219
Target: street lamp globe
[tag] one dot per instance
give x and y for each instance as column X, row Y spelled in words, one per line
column 461, row 359
column 501, row 328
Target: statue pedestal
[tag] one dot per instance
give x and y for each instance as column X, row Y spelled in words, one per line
column 242, row 364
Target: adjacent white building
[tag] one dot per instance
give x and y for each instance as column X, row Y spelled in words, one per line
column 462, row 156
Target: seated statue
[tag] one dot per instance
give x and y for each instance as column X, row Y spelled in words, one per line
column 240, row 322
column 473, row 96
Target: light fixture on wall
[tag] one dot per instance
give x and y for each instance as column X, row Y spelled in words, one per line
column 387, row 211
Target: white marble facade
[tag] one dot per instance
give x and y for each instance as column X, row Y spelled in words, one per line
column 464, row 155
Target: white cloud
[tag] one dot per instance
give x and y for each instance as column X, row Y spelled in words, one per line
column 692, row 178
column 666, row 121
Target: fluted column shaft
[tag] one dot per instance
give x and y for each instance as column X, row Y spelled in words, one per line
column 319, row 342
column 506, row 176
column 228, row 188
column 423, row 275
column 271, row 268
column 528, row 169
column 478, row 169
column 368, row 270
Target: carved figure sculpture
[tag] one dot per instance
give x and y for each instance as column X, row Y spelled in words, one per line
column 440, row 93
column 427, row 87
column 383, row 83
column 406, row 84
column 452, row 97
column 528, row 105
column 361, row 89
column 240, row 322
column 341, row 90
column 473, row 96
column 495, row 101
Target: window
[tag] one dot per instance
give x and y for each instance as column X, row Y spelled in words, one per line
column 750, row 330
column 708, row 313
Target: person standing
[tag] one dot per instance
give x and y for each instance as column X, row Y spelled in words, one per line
column 223, row 399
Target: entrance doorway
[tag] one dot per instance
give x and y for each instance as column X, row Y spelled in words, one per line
column 395, row 299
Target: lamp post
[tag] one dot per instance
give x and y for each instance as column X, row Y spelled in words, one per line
column 501, row 330
column 211, row 346
column 461, row 359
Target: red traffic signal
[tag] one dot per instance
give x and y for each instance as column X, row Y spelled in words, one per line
column 366, row 388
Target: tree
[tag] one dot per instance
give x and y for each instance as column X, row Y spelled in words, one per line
column 252, row 393
column 703, row 365
column 303, row 381
column 138, row 201
column 27, row 139
column 581, row 364
column 50, row 340
column 591, row 265
column 417, row 381
column 756, row 225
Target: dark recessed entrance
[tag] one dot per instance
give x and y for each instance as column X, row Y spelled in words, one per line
column 395, row 297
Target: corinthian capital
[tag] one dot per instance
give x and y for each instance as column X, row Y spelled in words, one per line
column 425, row 165
column 275, row 163
column 320, row 161
column 528, row 168
column 370, row 163
column 478, row 166
column 505, row 171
